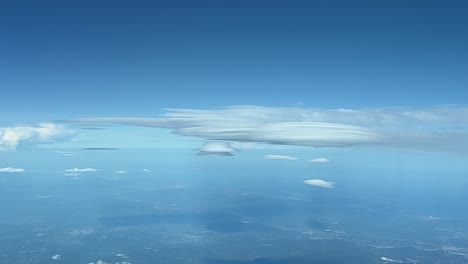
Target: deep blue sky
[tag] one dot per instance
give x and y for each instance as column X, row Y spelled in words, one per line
column 124, row 58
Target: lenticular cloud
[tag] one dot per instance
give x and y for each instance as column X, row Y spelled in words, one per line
column 431, row 128
column 216, row 148
column 319, row 183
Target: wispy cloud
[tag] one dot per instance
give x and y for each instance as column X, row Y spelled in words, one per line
column 279, row 157
column 81, row 170
column 11, row 170
column 430, row 128
column 216, row 148
column 319, row 160
column 65, row 153
column 120, row 172
column 386, row 260
column 97, row 149
column 10, row 137
column 319, row 183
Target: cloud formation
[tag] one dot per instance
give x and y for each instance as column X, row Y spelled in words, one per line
column 319, row 160
column 218, row 148
column 430, row 128
column 56, row 257
column 10, row 137
column 75, row 170
column 99, row 149
column 387, row 260
column 65, row 153
column 11, row 170
column 120, row 172
column 280, row 157
column 319, row 183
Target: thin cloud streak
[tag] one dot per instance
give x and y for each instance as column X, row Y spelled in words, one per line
column 279, row 157
column 11, row 170
column 81, row 170
column 319, row 160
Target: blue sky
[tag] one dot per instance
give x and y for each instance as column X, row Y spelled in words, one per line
column 396, row 65
column 352, row 114
column 86, row 58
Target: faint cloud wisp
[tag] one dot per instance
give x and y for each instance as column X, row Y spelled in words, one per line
column 279, row 157
column 320, row 183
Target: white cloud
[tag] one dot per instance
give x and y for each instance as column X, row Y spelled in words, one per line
column 10, row 137
column 56, row 257
column 436, row 128
column 10, row 169
column 319, row 183
column 385, row 259
column 121, row 255
column 434, row 218
column 120, row 172
column 145, row 170
column 279, row 157
column 65, row 153
column 319, row 160
column 75, row 170
column 216, row 148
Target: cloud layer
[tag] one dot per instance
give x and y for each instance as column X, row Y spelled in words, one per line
column 436, row 128
column 319, row 183
column 10, row 137
column 10, row 169
column 280, row 157
column 319, row 160
column 81, row 170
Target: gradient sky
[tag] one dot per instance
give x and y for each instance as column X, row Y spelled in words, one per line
column 351, row 113
column 62, row 59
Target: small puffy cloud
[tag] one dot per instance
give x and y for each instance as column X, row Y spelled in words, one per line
column 120, row 172
column 218, row 148
column 279, row 157
column 10, row 169
column 319, row 160
column 319, row 183
column 145, row 170
column 76, row 170
column 10, row 137
column 56, row 257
